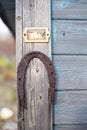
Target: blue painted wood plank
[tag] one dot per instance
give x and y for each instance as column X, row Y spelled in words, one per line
column 70, row 72
column 71, row 127
column 69, row 37
column 76, row 9
column 70, row 107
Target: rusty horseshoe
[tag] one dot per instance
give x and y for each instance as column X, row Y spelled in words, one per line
column 21, row 72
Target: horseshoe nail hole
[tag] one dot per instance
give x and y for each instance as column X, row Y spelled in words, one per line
column 47, row 34
column 51, row 73
column 50, row 64
column 45, row 58
column 19, row 78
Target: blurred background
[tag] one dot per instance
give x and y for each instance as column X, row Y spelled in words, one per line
column 8, row 105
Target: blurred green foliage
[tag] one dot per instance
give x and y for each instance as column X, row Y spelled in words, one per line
column 7, row 69
column 7, row 82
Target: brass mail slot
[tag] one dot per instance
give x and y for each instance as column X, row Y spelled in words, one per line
column 32, row 35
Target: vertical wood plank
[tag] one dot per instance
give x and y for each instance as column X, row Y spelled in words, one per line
column 37, row 95
column 19, row 35
column 18, row 30
column 36, row 13
column 37, row 82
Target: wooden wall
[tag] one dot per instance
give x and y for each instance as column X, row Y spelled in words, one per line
column 69, row 49
column 34, row 13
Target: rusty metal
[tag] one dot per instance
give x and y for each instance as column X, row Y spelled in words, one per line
column 21, row 72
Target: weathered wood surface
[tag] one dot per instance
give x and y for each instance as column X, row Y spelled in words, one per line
column 69, row 37
column 71, row 72
column 70, row 107
column 33, row 16
column 37, row 116
column 19, row 30
column 69, row 40
column 71, row 127
column 18, row 35
column 76, row 9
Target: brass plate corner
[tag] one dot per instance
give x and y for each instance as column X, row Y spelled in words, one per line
column 36, row 35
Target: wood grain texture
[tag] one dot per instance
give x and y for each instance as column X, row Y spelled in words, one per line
column 36, row 13
column 71, row 127
column 37, row 95
column 19, row 31
column 71, row 72
column 33, row 16
column 70, row 107
column 69, row 37
column 76, row 9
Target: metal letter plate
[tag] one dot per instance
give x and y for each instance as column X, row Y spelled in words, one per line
column 36, row 35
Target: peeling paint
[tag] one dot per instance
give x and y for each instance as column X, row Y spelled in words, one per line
column 54, row 32
column 65, row 3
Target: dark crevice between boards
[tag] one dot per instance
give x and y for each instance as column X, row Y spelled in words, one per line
column 73, row 19
column 79, row 124
column 69, row 90
column 65, row 54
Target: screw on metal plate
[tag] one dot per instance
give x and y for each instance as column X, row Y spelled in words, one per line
column 36, row 35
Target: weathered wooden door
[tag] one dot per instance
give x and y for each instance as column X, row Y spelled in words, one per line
column 69, row 32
